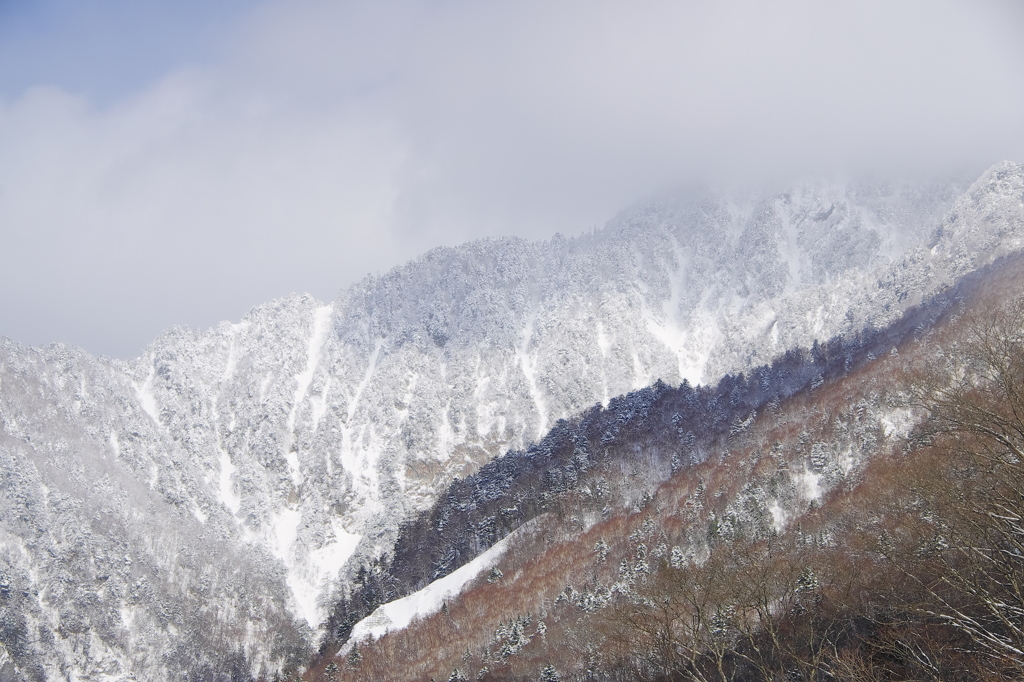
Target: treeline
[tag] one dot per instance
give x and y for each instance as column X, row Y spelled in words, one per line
column 576, row 468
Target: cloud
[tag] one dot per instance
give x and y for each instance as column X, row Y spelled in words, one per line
column 328, row 140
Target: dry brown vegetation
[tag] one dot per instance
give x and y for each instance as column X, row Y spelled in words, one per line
column 907, row 564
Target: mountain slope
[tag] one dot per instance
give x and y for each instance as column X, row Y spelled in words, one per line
column 625, row 552
column 301, row 437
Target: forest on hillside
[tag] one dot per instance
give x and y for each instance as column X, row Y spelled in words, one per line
column 910, row 566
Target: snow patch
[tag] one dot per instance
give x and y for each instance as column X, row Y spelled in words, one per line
column 311, row 579
column 320, row 404
column 528, row 362
column 321, row 323
column 779, row 516
column 846, row 461
column 144, row 393
column 669, row 327
column 788, row 244
column 811, row 485
column 640, row 376
column 818, row 323
column 695, row 349
column 603, row 344
column 285, row 528
column 398, row 614
column 486, row 410
column 446, row 436
column 359, row 454
column 366, row 379
column 897, row 423
column 232, row 361
column 228, row 497
column 330, row 558
column 264, row 385
column 605, row 347
column 310, row 574
column 292, row 458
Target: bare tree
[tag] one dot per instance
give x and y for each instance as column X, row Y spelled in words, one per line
column 973, row 391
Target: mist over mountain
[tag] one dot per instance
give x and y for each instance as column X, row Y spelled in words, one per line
column 198, row 510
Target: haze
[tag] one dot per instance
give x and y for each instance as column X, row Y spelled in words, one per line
column 165, row 164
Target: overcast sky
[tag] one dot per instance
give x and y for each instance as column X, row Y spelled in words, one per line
column 168, row 163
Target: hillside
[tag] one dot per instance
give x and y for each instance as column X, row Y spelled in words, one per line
column 824, row 528
column 210, row 507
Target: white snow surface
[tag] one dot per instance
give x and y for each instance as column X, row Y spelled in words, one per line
column 321, row 323
column 285, row 529
column 228, row 495
column 398, row 614
column 145, row 395
column 310, row 580
column 811, row 484
column 310, row 573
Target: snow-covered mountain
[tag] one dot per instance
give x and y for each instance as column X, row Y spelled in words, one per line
column 679, row 520
column 197, row 509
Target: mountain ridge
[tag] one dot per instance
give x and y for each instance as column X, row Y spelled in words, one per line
column 301, row 436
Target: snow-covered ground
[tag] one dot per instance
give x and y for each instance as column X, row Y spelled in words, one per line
column 396, row 615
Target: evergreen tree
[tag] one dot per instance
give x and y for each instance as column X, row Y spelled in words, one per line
column 549, row 674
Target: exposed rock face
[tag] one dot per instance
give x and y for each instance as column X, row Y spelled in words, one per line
column 194, row 508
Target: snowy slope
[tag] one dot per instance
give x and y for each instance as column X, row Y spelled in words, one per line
column 294, row 441
column 398, row 614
